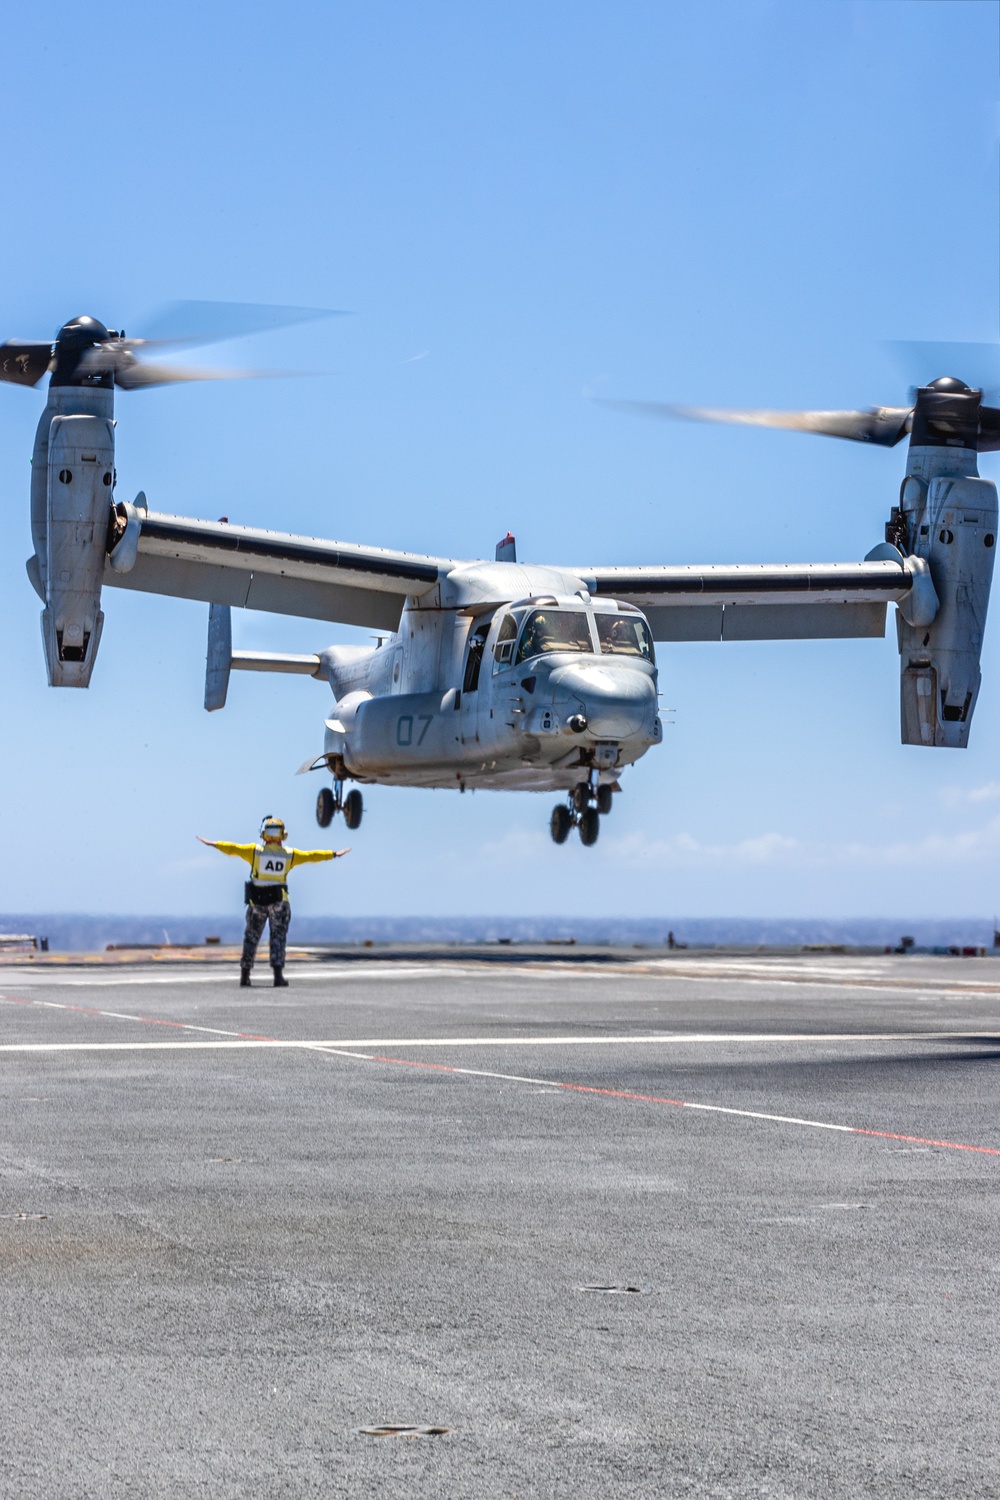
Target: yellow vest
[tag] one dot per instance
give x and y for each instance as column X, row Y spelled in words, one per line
column 271, row 864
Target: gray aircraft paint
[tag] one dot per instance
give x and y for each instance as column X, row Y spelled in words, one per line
column 403, row 711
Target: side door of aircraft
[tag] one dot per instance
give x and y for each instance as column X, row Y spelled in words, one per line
column 475, row 679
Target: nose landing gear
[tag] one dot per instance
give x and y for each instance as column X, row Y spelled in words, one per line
column 583, row 808
column 328, row 803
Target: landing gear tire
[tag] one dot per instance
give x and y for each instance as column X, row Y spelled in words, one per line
column 560, row 823
column 325, row 808
column 353, row 808
column 590, row 826
column 604, row 796
column 581, row 797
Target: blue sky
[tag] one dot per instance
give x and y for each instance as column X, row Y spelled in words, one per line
column 725, row 203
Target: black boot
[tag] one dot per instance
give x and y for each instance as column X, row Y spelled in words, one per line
column 280, row 982
column 244, row 976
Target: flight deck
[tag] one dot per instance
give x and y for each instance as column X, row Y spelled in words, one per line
column 563, row 1225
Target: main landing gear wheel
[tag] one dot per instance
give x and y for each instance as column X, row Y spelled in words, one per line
column 590, row 826
column 560, row 823
column 585, row 804
column 353, row 808
column 325, row 808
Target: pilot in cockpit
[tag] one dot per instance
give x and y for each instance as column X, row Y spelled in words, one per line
column 538, row 636
column 621, row 637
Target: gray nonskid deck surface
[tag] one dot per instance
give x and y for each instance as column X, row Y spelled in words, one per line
column 251, row 1249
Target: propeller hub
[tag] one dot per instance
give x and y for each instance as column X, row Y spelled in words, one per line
column 946, row 415
column 72, row 342
column 951, row 386
column 81, row 332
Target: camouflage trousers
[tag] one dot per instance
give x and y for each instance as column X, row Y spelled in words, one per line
column 279, row 915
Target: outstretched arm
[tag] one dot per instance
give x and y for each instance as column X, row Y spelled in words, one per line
column 238, row 851
column 315, row 856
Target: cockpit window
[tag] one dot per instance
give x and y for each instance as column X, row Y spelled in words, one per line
column 503, row 648
column 554, row 630
column 624, row 635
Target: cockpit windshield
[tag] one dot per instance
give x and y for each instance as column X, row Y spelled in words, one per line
column 624, row 635
column 554, row 630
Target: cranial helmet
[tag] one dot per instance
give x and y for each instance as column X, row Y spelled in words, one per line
column 272, row 828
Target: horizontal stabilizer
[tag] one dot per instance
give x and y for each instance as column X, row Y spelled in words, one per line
column 274, row 661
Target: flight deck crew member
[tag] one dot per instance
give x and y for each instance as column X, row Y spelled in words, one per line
column 266, row 891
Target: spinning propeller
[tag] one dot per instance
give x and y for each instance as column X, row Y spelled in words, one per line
column 86, row 353
column 944, row 413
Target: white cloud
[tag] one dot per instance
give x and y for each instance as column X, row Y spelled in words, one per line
column 515, row 845
column 953, row 796
column 931, row 851
column 988, row 793
column 683, row 850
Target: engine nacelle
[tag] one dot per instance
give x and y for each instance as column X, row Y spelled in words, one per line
column 78, row 499
column 951, row 521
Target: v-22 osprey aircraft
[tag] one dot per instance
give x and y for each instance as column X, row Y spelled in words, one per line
column 500, row 674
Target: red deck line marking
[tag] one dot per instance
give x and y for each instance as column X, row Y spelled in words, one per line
column 584, row 1088
column 151, row 1021
column 587, row 1088
column 405, row 1062
column 918, row 1140
column 114, row 1015
column 576, row 1088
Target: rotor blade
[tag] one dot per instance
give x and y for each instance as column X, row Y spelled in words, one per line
column 883, row 425
column 24, row 361
column 977, row 364
column 216, row 322
column 136, row 375
column 989, row 429
column 133, row 374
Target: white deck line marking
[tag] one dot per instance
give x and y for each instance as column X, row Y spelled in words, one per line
column 548, row 1083
column 491, row 1041
column 755, row 1114
column 115, row 1015
column 192, row 1046
column 660, row 1037
column 237, row 1040
column 371, row 970
column 714, row 1109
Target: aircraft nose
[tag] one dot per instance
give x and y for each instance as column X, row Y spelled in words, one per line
column 615, row 701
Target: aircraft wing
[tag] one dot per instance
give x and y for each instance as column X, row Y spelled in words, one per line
column 269, row 570
column 759, row 601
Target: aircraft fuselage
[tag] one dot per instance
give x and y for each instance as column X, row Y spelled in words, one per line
column 505, row 676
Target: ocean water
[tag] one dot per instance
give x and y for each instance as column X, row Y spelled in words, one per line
column 82, row 932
